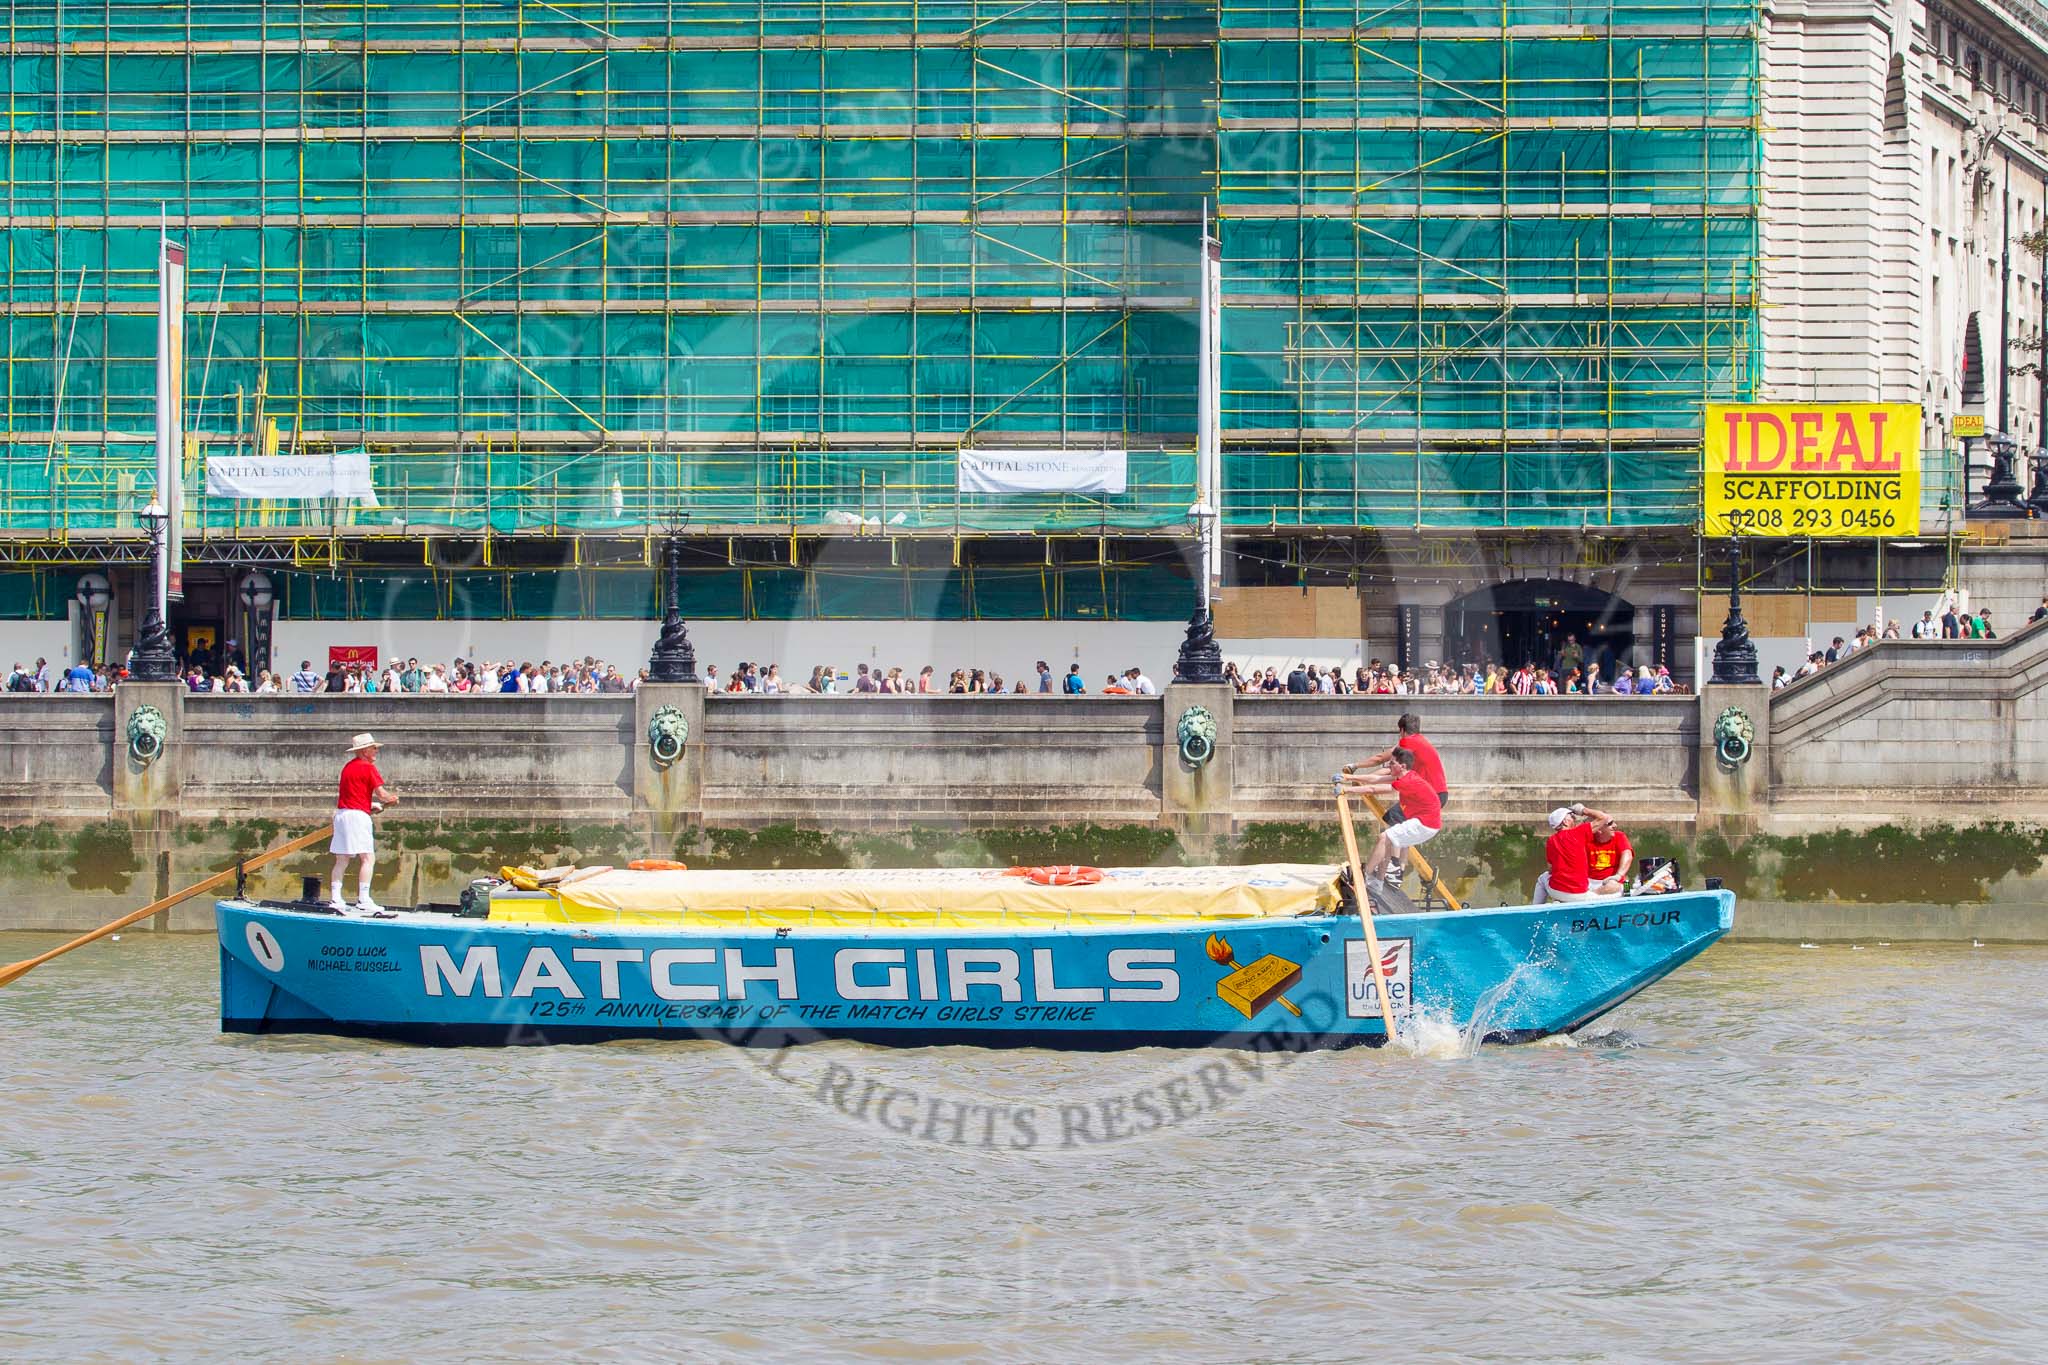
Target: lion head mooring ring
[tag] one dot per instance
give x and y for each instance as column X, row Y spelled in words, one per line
column 1734, row 736
column 147, row 733
column 668, row 730
column 1197, row 734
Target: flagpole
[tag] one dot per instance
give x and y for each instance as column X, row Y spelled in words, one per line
column 170, row 403
column 1209, row 413
column 1205, row 432
column 163, row 436
column 1201, row 658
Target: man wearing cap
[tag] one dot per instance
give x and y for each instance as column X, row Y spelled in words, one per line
column 362, row 791
column 1569, row 853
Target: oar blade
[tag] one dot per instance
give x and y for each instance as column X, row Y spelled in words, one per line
column 16, row 970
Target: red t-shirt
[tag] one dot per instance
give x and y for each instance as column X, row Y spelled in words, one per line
column 359, row 779
column 1602, row 859
column 1418, row 800
column 1428, row 766
column 1567, row 852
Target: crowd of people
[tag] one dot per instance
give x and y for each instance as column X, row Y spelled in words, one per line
column 1451, row 680
column 586, row 676
column 80, row 677
column 1569, row 672
column 1953, row 621
column 1840, row 650
column 767, row 680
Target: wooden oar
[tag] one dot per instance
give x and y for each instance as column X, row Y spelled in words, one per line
column 1372, row 938
column 14, row 971
column 1429, row 877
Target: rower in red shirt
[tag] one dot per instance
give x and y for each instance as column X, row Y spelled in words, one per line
column 1429, row 766
column 1423, row 819
column 1568, row 851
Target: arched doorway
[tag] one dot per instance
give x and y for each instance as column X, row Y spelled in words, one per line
column 1529, row 620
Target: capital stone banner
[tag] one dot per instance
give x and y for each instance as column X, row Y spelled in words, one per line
column 1043, row 471
column 256, row 477
column 1826, row 470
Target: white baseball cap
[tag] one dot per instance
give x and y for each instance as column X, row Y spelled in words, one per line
column 1559, row 816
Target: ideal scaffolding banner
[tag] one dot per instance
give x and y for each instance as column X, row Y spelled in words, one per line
column 1811, row 469
column 1043, row 471
column 250, row 478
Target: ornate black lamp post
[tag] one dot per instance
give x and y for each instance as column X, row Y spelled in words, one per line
column 1735, row 655
column 155, row 661
column 258, row 593
column 673, row 659
column 2039, row 500
column 2002, row 491
column 1201, row 658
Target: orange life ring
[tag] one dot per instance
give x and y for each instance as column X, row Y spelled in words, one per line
column 657, row 865
column 1064, row 874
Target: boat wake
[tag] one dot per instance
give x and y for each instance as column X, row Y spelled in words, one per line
column 1610, row 1037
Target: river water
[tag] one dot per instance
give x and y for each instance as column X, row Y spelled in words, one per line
column 1777, row 1154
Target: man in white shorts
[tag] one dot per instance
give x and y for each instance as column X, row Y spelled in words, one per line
column 1423, row 817
column 362, row 792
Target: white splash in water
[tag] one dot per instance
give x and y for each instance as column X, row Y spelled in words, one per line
column 1435, row 1035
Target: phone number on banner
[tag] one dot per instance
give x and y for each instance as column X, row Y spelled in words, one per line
column 1806, row 520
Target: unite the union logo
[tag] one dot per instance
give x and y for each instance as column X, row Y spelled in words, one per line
column 1361, row 992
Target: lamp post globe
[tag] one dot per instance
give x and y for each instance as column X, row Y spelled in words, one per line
column 95, row 594
column 257, row 594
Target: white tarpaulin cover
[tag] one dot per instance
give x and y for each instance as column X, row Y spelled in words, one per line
column 251, row 477
column 1043, row 471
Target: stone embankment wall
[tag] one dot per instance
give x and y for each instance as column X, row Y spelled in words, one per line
column 1940, row 735
column 1915, row 730
column 834, row 762
column 1938, row 727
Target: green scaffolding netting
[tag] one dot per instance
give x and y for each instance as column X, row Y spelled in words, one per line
column 1483, row 263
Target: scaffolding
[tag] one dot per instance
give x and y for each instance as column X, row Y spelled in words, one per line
column 562, row 268
column 1484, row 262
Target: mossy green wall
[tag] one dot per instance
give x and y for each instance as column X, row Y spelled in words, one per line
column 73, row 877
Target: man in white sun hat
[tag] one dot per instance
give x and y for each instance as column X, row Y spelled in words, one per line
column 1569, row 851
column 362, row 791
